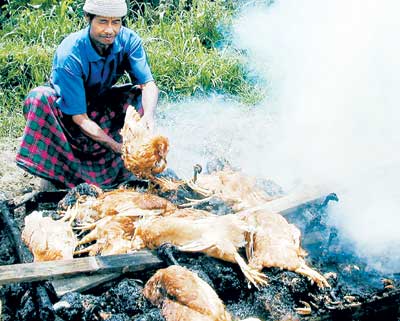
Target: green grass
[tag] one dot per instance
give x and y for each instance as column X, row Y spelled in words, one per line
column 185, row 42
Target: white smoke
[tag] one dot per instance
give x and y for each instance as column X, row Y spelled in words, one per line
column 333, row 68
column 330, row 117
column 203, row 130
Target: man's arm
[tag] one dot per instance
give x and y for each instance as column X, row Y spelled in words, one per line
column 149, row 103
column 91, row 129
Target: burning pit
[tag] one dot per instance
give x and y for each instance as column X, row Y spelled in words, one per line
column 356, row 293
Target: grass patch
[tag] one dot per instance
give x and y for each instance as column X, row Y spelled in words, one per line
column 185, row 42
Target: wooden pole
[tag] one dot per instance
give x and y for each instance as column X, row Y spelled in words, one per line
column 122, row 263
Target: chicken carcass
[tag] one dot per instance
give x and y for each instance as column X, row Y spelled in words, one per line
column 121, row 202
column 217, row 236
column 183, row 296
column 235, row 188
column 117, row 211
column 112, row 235
column 48, row 239
column 128, row 202
column 144, row 154
column 273, row 242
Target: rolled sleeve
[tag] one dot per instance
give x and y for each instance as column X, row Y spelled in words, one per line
column 70, row 88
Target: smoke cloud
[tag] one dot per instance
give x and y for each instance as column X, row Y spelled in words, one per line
column 330, row 117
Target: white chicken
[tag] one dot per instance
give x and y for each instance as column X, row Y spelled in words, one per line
column 216, row 236
column 238, row 190
column 48, row 239
column 273, row 242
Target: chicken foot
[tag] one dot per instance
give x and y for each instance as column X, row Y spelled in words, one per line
column 313, row 275
column 255, row 277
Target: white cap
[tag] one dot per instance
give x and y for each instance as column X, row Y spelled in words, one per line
column 106, row 8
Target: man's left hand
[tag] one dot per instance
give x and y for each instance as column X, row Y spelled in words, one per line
column 148, row 121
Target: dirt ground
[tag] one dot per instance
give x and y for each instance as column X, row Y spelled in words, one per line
column 14, row 182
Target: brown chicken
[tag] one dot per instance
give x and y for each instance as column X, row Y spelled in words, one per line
column 216, row 236
column 48, row 239
column 190, row 213
column 143, row 153
column 120, row 202
column 273, row 242
column 112, row 235
column 113, row 224
column 126, row 202
column 183, row 296
column 235, row 188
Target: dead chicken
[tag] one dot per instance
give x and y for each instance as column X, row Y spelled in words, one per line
column 190, row 213
column 216, row 236
column 82, row 212
column 143, row 153
column 48, row 239
column 112, row 235
column 182, row 295
column 126, row 202
column 235, row 188
column 121, row 202
column 117, row 211
column 273, row 242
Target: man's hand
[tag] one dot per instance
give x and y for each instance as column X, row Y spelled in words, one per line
column 116, row 147
column 148, row 121
column 91, row 129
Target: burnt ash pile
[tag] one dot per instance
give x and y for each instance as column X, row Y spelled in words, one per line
column 357, row 293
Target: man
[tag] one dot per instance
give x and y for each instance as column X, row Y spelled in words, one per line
column 73, row 122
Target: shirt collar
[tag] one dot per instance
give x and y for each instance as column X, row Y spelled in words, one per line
column 117, row 47
column 92, row 53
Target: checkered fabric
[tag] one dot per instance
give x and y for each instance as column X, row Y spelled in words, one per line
column 53, row 146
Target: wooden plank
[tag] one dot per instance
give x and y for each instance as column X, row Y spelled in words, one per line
column 122, row 263
column 290, row 203
column 81, row 283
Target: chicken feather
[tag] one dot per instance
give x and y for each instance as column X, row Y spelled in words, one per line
column 48, row 239
column 183, row 296
column 274, row 242
column 216, row 236
column 144, row 154
column 231, row 186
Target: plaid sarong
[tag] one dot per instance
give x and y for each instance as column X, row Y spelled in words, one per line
column 53, row 146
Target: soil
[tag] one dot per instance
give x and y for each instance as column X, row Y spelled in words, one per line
column 14, row 182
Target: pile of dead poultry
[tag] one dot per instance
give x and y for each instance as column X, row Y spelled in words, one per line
column 229, row 258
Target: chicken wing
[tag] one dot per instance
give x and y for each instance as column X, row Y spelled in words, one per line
column 273, row 242
column 144, row 154
column 183, row 296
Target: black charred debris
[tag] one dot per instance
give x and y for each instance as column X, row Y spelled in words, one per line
column 357, row 292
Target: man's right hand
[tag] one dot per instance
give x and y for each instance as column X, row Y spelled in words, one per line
column 116, row 148
column 91, row 129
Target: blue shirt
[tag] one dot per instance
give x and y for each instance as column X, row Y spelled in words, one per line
column 79, row 73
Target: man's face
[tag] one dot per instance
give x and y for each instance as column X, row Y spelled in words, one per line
column 103, row 30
